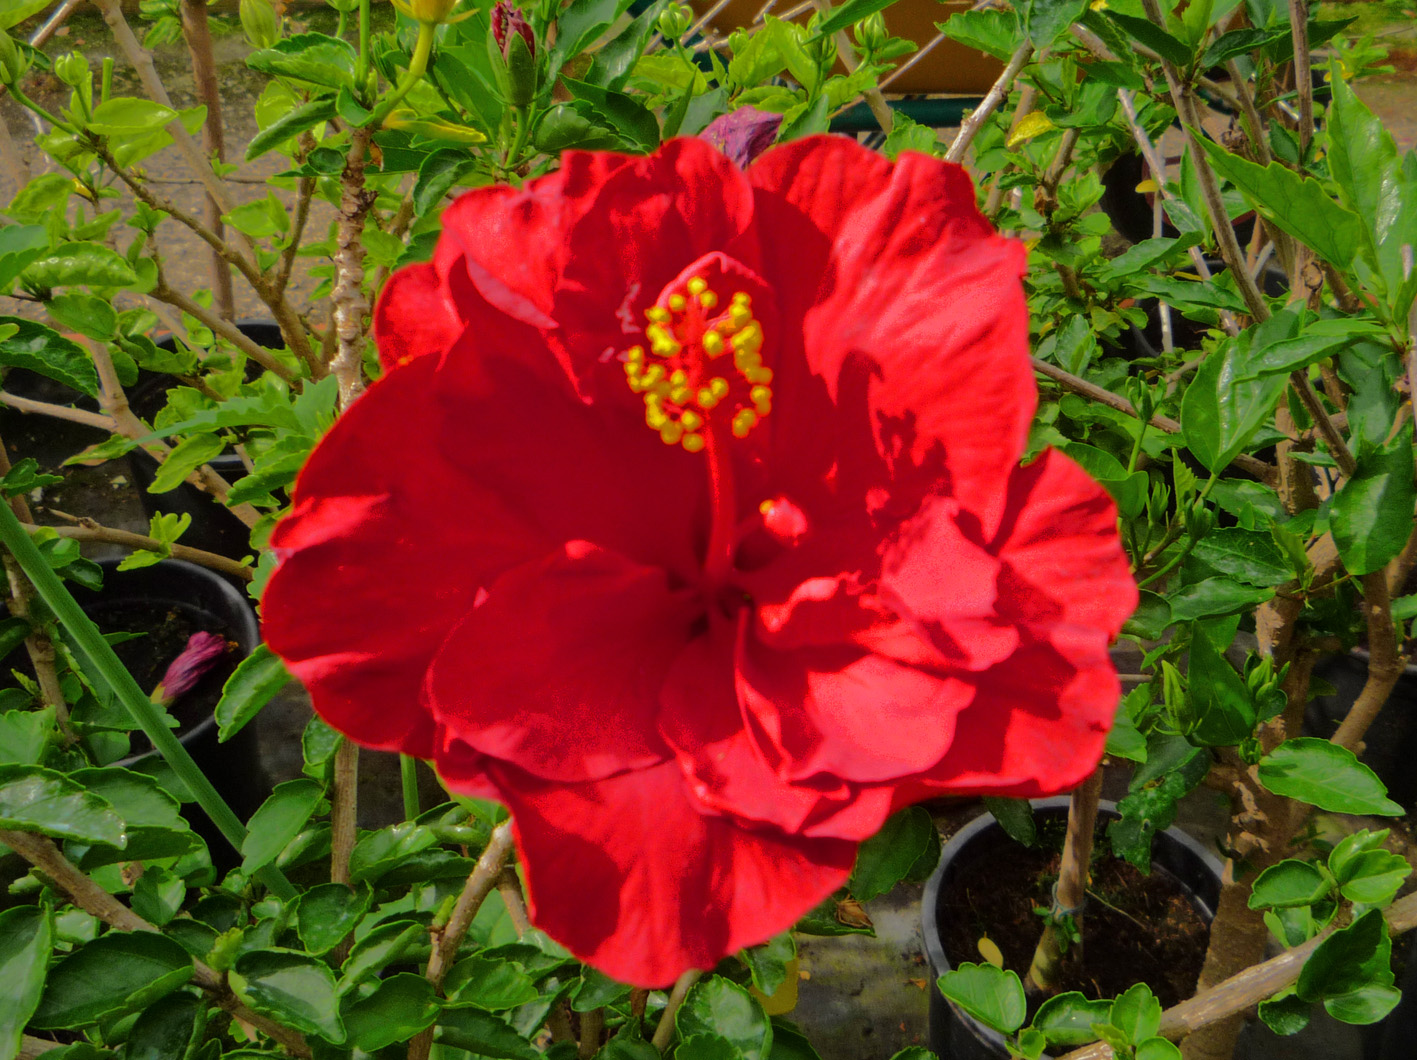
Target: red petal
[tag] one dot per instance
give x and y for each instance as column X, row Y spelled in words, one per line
column 914, row 328
column 631, row 878
column 367, row 589
column 598, row 633
column 414, row 316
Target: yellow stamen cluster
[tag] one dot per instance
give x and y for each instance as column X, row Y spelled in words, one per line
column 679, row 377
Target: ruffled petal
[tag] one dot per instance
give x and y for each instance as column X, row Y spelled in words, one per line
column 914, row 328
column 598, row 633
column 369, row 521
column 632, row 879
column 414, row 316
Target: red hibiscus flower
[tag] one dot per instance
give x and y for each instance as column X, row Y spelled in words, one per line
column 688, row 521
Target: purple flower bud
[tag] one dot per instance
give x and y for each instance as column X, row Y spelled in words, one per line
column 743, row 134
column 507, row 18
column 203, row 651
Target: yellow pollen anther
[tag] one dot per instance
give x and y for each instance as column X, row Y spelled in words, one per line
column 656, row 418
column 635, row 353
column 712, row 343
column 678, row 377
column 653, row 374
column 765, row 507
column 657, row 313
column 676, row 302
column 679, row 395
column 692, row 443
column 763, row 407
column 742, row 298
column 759, row 394
column 739, row 315
column 759, row 376
column 719, row 386
column 744, row 420
column 697, row 286
column 708, row 299
column 670, row 433
column 691, row 420
column 707, row 398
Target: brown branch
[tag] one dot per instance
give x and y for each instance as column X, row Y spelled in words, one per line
column 592, row 1026
column 1068, row 898
column 344, row 805
column 1264, row 472
column 664, row 1031
column 996, row 95
column 351, row 306
column 509, row 886
column 1385, row 663
column 199, row 46
column 1249, row 115
column 59, row 412
column 90, row 897
column 1250, row 987
column 88, row 530
column 1303, row 79
column 225, row 328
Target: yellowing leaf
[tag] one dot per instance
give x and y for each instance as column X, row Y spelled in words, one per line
column 1147, row 186
column 784, row 999
column 1031, row 125
column 991, row 952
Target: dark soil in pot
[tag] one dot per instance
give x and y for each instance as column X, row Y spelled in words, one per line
column 1137, row 928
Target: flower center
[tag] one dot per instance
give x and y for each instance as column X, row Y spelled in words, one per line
column 704, row 364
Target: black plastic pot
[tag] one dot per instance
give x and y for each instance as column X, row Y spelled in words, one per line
column 213, row 526
column 1390, row 744
column 201, row 600
column 1187, row 334
column 1131, row 211
column 955, row 1035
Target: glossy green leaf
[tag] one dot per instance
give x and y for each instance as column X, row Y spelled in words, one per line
column 483, row 1034
column 42, row 349
column 72, row 264
column 1249, row 556
column 489, row 983
column 1153, row 36
column 278, row 820
column 1047, row 20
column 1296, row 204
column 441, row 170
column 991, row 995
column 386, row 849
column 399, row 1008
column 25, row 476
column 1222, row 712
column 1158, row 1049
column 183, row 459
column 718, row 1006
column 887, row 857
column 120, row 972
column 1351, row 972
column 1222, row 410
column 706, row 1046
column 1066, row 1019
column 1327, row 776
column 326, row 913
column 16, row 11
column 290, row 125
column 993, row 32
column 1286, row 1013
column 136, row 797
column 158, row 895
column 1289, row 883
column 163, row 1030
column 1371, row 514
column 621, row 1047
column 293, row 988
column 1150, row 619
column 253, row 684
column 1015, row 816
column 33, row 799
column 384, row 945
column 313, row 57
column 769, row 963
column 85, row 313
column 581, row 23
column 1215, row 596
column 26, row 942
column 1136, row 1013
column 25, row 735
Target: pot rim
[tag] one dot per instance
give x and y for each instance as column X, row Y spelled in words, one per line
column 934, row 948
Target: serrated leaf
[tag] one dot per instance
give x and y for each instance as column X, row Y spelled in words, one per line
column 277, row 821
column 73, row 264
column 398, row 1009
column 44, row 350
column 1289, row 883
column 717, row 1006
column 183, row 459
column 253, row 684
column 326, row 914
column 991, row 995
column 120, row 972
column 1066, row 1019
column 39, row 800
column 294, row 988
column 290, row 125
column 1371, row 514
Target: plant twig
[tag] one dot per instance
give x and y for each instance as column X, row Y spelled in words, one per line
column 1250, row 987
column 996, row 95
column 592, row 1026
column 223, row 327
column 344, row 805
column 874, row 99
column 59, row 412
column 199, row 46
column 348, row 299
column 1385, row 663
column 1303, row 79
column 509, row 886
column 664, row 1031
column 93, row 899
column 1046, row 969
column 88, row 530
column 1262, row 471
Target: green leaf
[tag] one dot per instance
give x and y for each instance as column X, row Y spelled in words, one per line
column 1289, row 883
column 44, row 350
column 254, row 682
column 183, row 459
column 383, row 946
column 1222, row 408
column 1136, row 1013
column 72, row 264
column 1371, row 515
column 1154, row 37
column 483, row 1034
column 1158, row 1049
column 312, row 57
column 436, row 176
column 625, row 113
column 26, row 943
column 1248, row 555
column 1327, row 776
column 1215, row 596
column 381, row 851
column 993, row 32
column 845, row 14
column 1150, row 619
column 717, row 1006
column 622, row 1048
column 1365, row 871
column 16, row 11
column 128, row 116
column 39, row 800
column 1296, row 204
column 489, row 983
column 23, row 477
column 1222, row 712
column 991, row 995
column 1351, row 972
column 85, row 313
column 120, row 972
column 1067, row 1019
column 325, row 914
column 25, row 735
column 823, row 920
column 293, row 988
column 278, row 820
column 158, row 895
column 164, row 1030
column 1047, row 20
column 887, row 857
column 706, row 1046
column 769, row 962
column 582, row 23
column 399, row 1008
column 1015, row 817
column 290, row 125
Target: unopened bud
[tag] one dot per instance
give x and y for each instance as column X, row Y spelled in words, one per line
column 14, row 60
column 261, row 23
column 674, row 21
column 72, row 69
column 871, row 32
column 203, row 652
column 512, row 49
column 507, row 20
column 427, row 12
